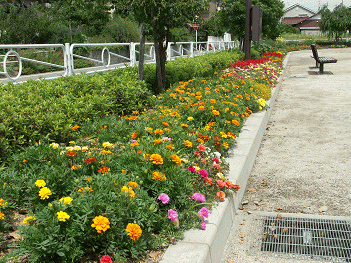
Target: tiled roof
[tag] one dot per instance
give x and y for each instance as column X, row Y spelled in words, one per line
column 293, row 20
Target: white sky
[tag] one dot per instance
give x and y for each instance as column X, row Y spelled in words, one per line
column 314, row 4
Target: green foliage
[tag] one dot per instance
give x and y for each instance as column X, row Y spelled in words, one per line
column 23, row 25
column 335, row 22
column 118, row 30
column 188, row 68
column 49, row 108
column 213, row 26
column 288, row 29
column 232, row 15
column 180, row 34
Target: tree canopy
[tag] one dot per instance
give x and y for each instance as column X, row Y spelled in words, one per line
column 161, row 16
column 232, row 15
column 335, row 22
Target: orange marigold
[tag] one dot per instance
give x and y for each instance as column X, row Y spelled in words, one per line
column 176, row 159
column 71, row 153
column 101, row 223
column 158, row 176
column 156, row 158
column 134, row 231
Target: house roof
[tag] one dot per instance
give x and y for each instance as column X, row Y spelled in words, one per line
column 293, row 20
column 298, row 5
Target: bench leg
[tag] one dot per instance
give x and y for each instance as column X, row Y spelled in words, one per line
column 317, row 66
column 321, row 67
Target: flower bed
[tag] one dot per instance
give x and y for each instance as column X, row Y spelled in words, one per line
column 135, row 182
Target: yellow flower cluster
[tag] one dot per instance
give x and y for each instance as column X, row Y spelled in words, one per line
column 128, row 191
column 62, row 216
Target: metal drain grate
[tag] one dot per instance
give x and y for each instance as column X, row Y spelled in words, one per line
column 304, row 238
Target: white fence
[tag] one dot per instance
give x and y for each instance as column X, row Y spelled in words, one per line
column 103, row 56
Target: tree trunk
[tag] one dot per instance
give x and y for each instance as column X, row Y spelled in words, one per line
column 160, row 52
column 141, row 52
column 336, row 38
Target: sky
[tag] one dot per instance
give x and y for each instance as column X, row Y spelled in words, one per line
column 315, row 4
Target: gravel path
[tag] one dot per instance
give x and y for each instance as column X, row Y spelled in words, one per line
column 303, row 165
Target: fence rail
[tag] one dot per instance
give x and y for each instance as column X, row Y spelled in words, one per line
column 104, row 56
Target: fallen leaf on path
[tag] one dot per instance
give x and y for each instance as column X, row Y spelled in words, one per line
column 278, row 208
column 245, row 202
column 154, row 254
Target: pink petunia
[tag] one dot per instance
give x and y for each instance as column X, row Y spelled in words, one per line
column 199, row 197
column 173, row 215
column 203, row 212
column 164, row 198
column 106, row 259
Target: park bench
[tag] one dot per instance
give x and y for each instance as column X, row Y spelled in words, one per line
column 321, row 60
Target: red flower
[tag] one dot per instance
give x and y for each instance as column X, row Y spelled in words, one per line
column 90, row 160
column 106, row 259
column 220, row 183
column 220, row 195
column 71, row 153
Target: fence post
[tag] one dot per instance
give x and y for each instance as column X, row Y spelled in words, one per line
column 67, row 60
column 132, row 55
column 191, row 49
column 169, row 55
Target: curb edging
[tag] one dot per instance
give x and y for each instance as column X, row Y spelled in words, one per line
column 207, row 246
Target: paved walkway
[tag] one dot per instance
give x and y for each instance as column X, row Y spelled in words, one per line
column 304, row 162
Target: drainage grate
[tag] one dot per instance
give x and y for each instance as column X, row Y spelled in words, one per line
column 304, row 238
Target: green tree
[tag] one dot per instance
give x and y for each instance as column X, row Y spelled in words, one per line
column 161, row 16
column 89, row 15
column 335, row 22
column 232, row 15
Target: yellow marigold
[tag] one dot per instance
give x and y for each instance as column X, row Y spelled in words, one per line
column 133, row 144
column 213, row 101
column 165, row 123
column 66, row 200
column 101, row 223
column 134, row 231
column 148, row 129
column 225, row 145
column 158, row 176
column 27, row 219
column 156, row 158
column 188, row 143
column 2, row 202
column 40, row 183
column 128, row 191
column 44, row 193
column 158, row 131
column 190, row 118
column 183, row 125
column 201, row 108
column 75, row 167
column 106, row 151
column 134, row 135
column 107, row 145
column 156, row 141
column 174, row 113
column 2, row 216
column 215, row 112
column 62, row 216
column 176, row 159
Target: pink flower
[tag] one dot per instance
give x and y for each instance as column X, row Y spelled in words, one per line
column 201, row 148
column 215, row 159
column 203, row 173
column 164, row 198
column 192, row 169
column 220, row 183
column 105, row 259
column 216, row 165
column 203, row 212
column 220, row 195
column 173, row 215
column 203, row 225
column 197, row 154
column 198, row 197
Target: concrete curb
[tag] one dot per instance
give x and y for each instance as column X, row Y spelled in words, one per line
column 199, row 246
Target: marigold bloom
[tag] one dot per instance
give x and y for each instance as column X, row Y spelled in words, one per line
column 104, row 170
column 66, row 200
column 165, row 123
column 2, row 202
column 71, row 153
column 220, row 195
column 128, row 191
column 54, row 145
column 190, row 118
column 90, row 160
column 2, row 216
column 75, row 127
column 170, row 146
column 148, row 129
column 156, row 158
column 134, row 135
column 156, row 141
column 201, row 108
column 62, row 216
column 106, row 259
column 176, row 159
column 40, row 183
column 107, row 145
column 101, row 223
column 235, row 122
column 106, row 151
column 215, row 112
column 159, row 131
column 134, row 231
column 133, row 144
column 133, row 184
column 75, row 167
column 164, row 198
column 188, row 143
column 158, row 176
column 27, row 219
column 44, row 193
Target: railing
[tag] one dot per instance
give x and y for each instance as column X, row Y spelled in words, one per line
column 107, row 56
